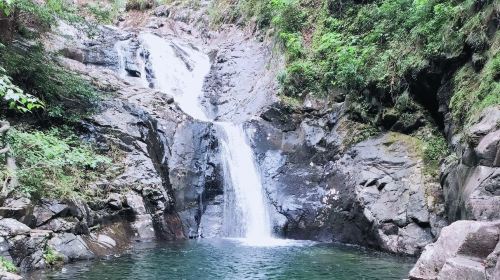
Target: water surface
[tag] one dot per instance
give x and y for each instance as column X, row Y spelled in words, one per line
column 230, row 259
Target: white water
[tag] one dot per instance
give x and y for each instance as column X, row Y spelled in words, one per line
column 180, row 70
column 121, row 48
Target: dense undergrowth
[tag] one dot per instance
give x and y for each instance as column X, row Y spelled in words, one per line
column 378, row 48
column 55, row 163
column 44, row 103
column 66, row 95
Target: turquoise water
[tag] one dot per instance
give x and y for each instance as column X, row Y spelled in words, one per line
column 229, row 259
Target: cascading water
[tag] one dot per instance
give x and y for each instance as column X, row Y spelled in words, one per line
column 179, row 69
column 122, row 47
column 246, row 212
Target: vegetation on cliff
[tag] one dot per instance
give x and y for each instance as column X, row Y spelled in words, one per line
column 44, row 102
column 378, row 50
column 401, row 65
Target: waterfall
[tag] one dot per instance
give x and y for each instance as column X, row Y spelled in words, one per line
column 121, row 48
column 180, row 69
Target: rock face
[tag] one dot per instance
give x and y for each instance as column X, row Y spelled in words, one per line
column 372, row 194
column 240, row 83
column 464, row 250
column 472, row 184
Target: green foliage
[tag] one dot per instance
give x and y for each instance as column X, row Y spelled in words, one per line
column 363, row 132
column 6, row 7
column 299, row 78
column 435, row 149
column 52, row 257
column 475, row 92
column 287, row 15
column 140, row 4
column 7, row 265
column 293, row 45
column 15, row 98
column 46, row 13
column 64, row 94
column 105, row 12
column 102, row 12
column 382, row 44
column 55, row 163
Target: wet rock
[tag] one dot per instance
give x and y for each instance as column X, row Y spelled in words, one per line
column 115, row 201
column 73, row 53
column 211, row 221
column 132, row 69
column 97, row 55
column 471, row 192
column 27, row 251
column 72, row 247
column 240, row 84
column 460, row 251
column 462, row 268
column 60, row 224
column 15, row 208
column 374, row 194
column 136, row 202
column 106, row 240
column 155, row 23
column 47, row 210
column 143, row 227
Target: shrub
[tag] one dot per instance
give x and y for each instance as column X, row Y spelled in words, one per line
column 65, row 94
column 52, row 257
column 55, row 163
column 287, row 15
column 299, row 78
column 7, row 265
column 383, row 43
column 44, row 15
column 293, row 45
column 14, row 97
column 473, row 92
column 140, row 4
column 102, row 12
column 435, row 148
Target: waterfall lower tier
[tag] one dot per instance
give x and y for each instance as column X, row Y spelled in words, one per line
column 245, row 208
column 180, row 70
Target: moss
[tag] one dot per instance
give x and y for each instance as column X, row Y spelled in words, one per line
column 413, row 144
column 355, row 132
column 291, row 101
column 435, row 149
